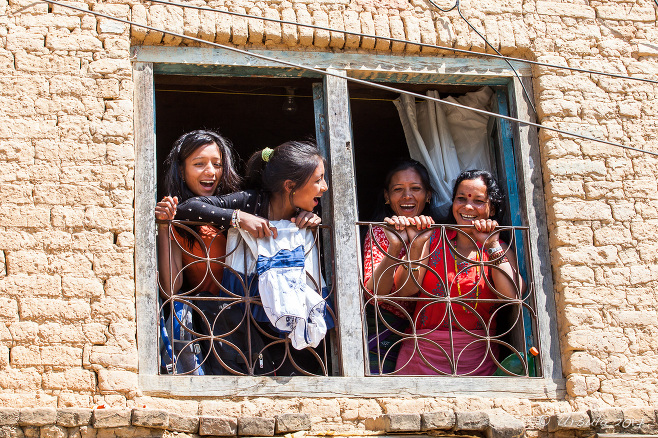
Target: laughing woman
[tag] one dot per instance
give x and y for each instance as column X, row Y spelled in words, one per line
column 455, row 338
column 407, row 192
column 200, row 163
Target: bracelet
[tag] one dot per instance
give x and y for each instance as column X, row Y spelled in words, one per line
column 498, row 261
column 495, row 249
column 416, row 269
column 235, row 219
column 497, row 254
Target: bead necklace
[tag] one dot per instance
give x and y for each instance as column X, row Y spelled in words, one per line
column 457, row 273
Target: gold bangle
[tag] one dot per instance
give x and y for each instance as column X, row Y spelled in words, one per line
column 416, row 269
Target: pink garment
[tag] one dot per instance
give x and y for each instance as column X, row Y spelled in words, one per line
column 473, row 360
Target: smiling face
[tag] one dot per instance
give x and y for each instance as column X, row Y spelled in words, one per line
column 406, row 193
column 202, row 170
column 471, row 202
column 308, row 195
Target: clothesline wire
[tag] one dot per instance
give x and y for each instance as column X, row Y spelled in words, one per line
column 516, row 73
column 350, row 79
column 486, row 41
column 416, row 43
column 457, row 5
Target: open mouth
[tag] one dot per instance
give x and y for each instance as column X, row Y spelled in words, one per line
column 468, row 217
column 407, row 208
column 207, row 184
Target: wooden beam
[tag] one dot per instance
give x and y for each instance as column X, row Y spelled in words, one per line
column 346, row 242
column 145, row 188
column 533, row 206
column 379, row 67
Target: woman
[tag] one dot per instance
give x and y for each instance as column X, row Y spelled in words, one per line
column 287, row 183
column 407, row 194
column 200, row 163
column 480, row 272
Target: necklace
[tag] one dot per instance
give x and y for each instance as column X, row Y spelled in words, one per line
column 459, row 268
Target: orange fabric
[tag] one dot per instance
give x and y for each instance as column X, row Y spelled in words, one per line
column 197, row 260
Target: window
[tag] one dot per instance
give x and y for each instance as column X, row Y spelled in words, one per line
column 338, row 128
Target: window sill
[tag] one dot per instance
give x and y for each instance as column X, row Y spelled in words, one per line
column 377, row 386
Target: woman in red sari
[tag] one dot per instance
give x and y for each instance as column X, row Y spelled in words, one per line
column 452, row 331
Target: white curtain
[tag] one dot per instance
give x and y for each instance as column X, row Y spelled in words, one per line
column 446, row 139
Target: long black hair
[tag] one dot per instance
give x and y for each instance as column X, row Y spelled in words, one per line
column 384, row 210
column 183, row 148
column 494, row 193
column 293, row 160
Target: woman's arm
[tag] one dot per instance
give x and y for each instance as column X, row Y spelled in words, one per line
column 170, row 256
column 418, row 235
column 414, row 233
column 217, row 210
column 223, row 210
column 377, row 262
column 419, row 250
column 506, row 278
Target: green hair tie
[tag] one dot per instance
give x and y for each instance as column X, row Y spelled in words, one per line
column 266, row 154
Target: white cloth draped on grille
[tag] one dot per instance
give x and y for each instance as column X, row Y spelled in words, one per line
column 446, row 139
column 291, row 299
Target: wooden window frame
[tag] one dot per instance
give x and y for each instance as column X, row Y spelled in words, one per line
column 332, row 105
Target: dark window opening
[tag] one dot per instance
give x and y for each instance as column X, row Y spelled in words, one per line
column 379, row 143
column 248, row 111
column 252, row 113
column 379, row 140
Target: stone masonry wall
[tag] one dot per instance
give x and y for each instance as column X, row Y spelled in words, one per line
column 67, row 306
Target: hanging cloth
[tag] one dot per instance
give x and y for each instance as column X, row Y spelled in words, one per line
column 446, row 139
column 291, row 299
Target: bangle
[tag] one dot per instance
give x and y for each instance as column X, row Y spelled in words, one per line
column 416, row 269
column 235, row 219
column 497, row 254
column 500, row 260
column 494, row 249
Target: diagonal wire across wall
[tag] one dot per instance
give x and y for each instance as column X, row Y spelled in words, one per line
column 356, row 80
column 401, row 40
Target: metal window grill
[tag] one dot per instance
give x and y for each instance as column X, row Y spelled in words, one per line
column 202, row 333
column 463, row 332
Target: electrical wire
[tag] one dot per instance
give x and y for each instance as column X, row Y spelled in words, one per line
column 445, row 10
column 415, row 43
column 347, row 78
column 516, row 73
column 525, row 91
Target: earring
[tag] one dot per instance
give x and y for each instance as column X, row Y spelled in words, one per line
column 387, row 202
column 293, row 193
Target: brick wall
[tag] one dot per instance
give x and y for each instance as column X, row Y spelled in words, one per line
column 67, row 305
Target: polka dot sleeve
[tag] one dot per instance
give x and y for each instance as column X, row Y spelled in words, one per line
column 217, row 210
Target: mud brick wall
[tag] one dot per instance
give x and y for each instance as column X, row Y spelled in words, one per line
column 67, row 293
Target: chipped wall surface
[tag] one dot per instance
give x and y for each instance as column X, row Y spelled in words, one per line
column 67, row 291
